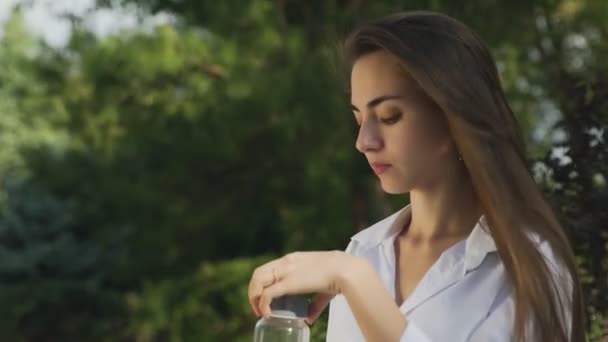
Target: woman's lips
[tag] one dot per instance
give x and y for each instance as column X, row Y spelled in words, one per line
column 380, row 168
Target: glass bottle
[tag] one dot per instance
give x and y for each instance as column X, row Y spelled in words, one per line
column 286, row 321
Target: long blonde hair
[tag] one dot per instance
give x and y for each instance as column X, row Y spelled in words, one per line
column 455, row 68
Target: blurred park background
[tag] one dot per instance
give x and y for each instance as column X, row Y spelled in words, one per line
column 154, row 152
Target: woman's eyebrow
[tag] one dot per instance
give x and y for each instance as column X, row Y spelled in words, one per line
column 378, row 100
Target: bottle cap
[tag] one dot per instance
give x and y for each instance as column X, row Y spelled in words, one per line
column 290, row 306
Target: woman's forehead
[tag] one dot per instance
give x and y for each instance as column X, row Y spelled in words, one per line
column 380, row 74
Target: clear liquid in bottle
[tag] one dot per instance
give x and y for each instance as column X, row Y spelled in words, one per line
column 286, row 323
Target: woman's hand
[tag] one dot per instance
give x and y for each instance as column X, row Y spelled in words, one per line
column 298, row 272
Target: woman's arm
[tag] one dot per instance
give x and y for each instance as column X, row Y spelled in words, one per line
column 376, row 313
column 328, row 273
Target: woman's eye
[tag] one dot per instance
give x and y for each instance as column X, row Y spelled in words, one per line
column 391, row 120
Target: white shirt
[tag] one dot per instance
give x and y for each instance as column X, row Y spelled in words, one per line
column 464, row 296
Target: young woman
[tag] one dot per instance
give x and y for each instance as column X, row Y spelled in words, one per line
column 478, row 254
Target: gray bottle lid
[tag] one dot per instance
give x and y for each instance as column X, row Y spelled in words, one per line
column 290, row 306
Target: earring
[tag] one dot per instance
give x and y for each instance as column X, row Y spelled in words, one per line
column 460, row 157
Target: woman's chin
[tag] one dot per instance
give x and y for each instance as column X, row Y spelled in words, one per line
column 392, row 187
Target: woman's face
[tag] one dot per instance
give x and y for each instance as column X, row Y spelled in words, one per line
column 400, row 127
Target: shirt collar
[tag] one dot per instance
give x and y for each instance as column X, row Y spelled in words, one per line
column 478, row 244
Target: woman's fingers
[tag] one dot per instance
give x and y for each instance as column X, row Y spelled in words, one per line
column 297, row 272
column 316, row 307
column 261, row 278
column 276, row 290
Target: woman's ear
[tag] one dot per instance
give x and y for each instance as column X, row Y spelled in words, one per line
column 448, row 148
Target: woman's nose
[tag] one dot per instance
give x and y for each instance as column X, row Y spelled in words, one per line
column 369, row 137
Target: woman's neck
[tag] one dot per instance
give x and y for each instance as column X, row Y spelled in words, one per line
column 448, row 210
